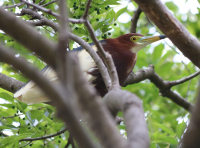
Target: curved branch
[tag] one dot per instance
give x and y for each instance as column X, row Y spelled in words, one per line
column 49, row 11
column 177, row 82
column 45, row 137
column 134, row 20
column 14, row 27
column 131, row 106
column 49, row 3
column 162, row 85
column 16, row 5
column 105, row 56
column 172, row 28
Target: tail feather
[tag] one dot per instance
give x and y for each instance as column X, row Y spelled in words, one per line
column 30, row 93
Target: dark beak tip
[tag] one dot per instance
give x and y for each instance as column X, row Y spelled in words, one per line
column 162, row 36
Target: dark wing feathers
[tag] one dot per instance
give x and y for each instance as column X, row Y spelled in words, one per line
column 91, row 44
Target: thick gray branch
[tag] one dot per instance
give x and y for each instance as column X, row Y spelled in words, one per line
column 97, row 115
column 131, row 106
column 9, row 84
column 27, row 36
column 177, row 82
column 55, row 92
column 172, row 28
column 192, row 135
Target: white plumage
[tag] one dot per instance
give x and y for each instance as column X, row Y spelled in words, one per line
column 30, row 93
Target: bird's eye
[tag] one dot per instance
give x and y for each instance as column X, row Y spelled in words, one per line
column 133, row 38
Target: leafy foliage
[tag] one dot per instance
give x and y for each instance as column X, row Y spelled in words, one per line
column 166, row 121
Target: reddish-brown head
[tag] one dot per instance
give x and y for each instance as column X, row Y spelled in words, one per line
column 135, row 42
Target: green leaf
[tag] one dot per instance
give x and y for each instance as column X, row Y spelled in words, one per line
column 95, row 27
column 36, row 114
column 120, row 12
column 21, row 105
column 111, row 2
column 7, row 105
column 110, row 16
column 49, row 120
column 180, row 129
column 172, row 6
column 6, row 96
column 170, row 140
column 165, row 128
column 7, row 127
column 157, row 52
column 13, row 139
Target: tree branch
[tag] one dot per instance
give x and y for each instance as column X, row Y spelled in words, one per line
column 192, row 135
column 14, row 27
column 10, row 84
column 134, row 20
column 77, row 39
column 42, row 19
column 104, row 55
column 55, row 92
column 172, row 28
column 162, row 85
column 131, row 106
column 45, row 137
column 177, row 82
column 49, row 3
column 40, row 3
column 16, row 5
column 96, row 113
column 49, row 11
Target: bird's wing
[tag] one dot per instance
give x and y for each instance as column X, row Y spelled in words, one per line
column 30, row 93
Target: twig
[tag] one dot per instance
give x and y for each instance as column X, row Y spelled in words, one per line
column 10, row 117
column 26, row 144
column 177, row 82
column 49, row 11
column 37, row 23
column 3, row 134
column 16, row 5
column 134, row 20
column 85, row 15
column 77, row 39
column 43, row 9
column 40, row 3
column 45, row 137
column 104, row 55
column 163, row 86
column 43, row 20
column 70, row 141
column 49, row 3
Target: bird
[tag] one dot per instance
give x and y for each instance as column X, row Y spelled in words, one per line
column 123, row 50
